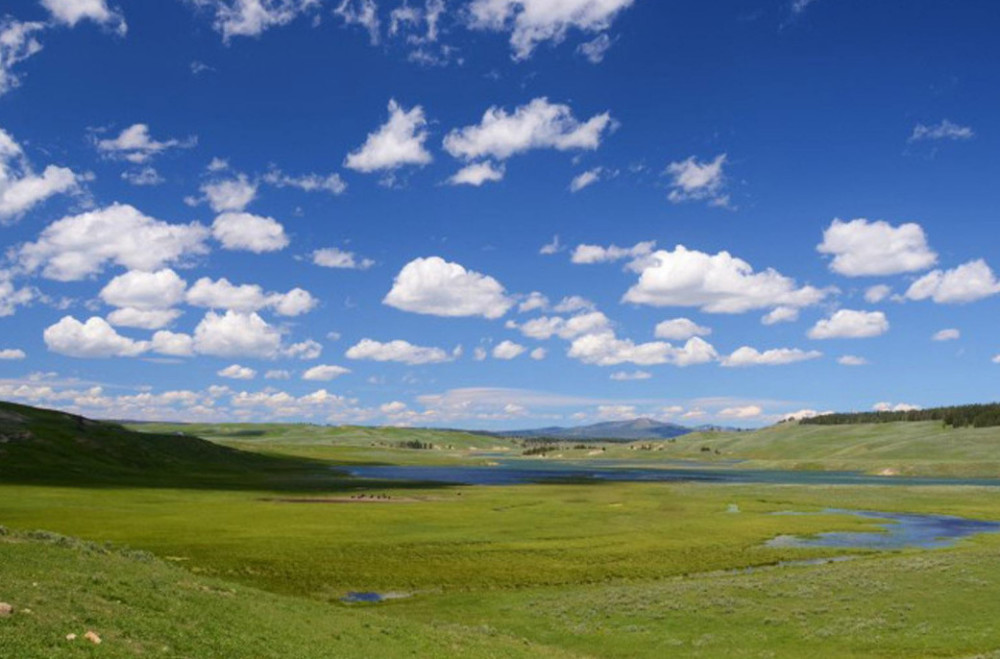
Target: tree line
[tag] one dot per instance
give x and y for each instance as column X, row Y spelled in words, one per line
column 958, row 416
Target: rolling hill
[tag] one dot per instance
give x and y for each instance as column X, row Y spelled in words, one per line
column 617, row 431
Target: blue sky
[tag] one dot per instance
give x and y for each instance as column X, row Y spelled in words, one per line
column 498, row 213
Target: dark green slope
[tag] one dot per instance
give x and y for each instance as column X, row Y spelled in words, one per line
column 46, row 446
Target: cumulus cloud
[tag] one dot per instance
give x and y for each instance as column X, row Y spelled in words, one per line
column 538, row 354
column 967, row 283
column 10, row 354
column 12, row 297
column 141, row 177
column 149, row 319
column 325, row 372
column 551, row 248
column 363, row 13
column 605, row 349
column 861, row 248
column 947, row 335
column 227, row 195
column 535, row 301
column 398, row 351
column 477, row 173
column 780, row 315
column 332, row 257
column 698, row 181
column 508, row 350
column 94, row 338
column 595, row 49
column 137, row 289
column 236, row 334
column 946, row 130
column 440, row 288
column 251, row 233
column 537, row 125
column 680, row 329
column 898, row 407
column 747, row 356
column 18, row 42
column 741, row 412
column 850, row 324
column 237, row 372
column 546, row 327
column 852, row 360
column 21, row 189
column 75, row 247
column 222, row 294
column 398, row 142
column 308, row 349
column 531, row 22
column 715, row 283
column 135, row 145
column 71, row 12
column 588, row 254
column 877, row 293
column 251, row 18
column 174, row 344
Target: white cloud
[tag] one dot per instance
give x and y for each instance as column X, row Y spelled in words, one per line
column 605, row 349
column 850, row 324
column 996, row 359
column 534, row 301
column 145, row 290
column 21, row 189
column 551, row 248
column 898, row 407
column 595, row 49
column 144, row 176
column 546, row 327
column 332, row 257
column 477, row 173
column 135, row 145
column 742, row 412
column 74, row 247
column 150, row 319
column 237, row 372
column 861, row 248
column 947, row 335
column 537, row 125
column 508, row 350
column 588, row 254
column 436, row 287
column 173, row 344
column 307, row 349
column 780, row 315
column 250, row 18
column 325, row 372
column 12, row 297
column 236, row 334
column 538, row 354
column 10, row 354
column 852, row 360
column 398, row 142
column 397, row 351
column 747, row 356
column 221, row 294
column 532, row 22
column 331, row 183
column 719, row 283
column 572, row 304
column 680, row 329
column 71, row 12
column 363, row 13
column 92, row 339
column 625, row 376
column 585, row 179
column 876, row 294
column 251, row 233
column 946, row 130
column 17, row 43
column 277, row 374
column 233, row 194
column 698, row 181
column 967, row 283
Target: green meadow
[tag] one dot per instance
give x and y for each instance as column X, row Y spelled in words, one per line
column 221, row 553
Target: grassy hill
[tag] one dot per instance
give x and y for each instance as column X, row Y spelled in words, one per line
column 46, row 446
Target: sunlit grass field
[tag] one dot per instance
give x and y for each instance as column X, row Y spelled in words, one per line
column 259, row 569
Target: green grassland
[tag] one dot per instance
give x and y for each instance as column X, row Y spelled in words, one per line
column 248, row 553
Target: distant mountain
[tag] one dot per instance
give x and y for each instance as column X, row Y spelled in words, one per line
column 610, row 430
